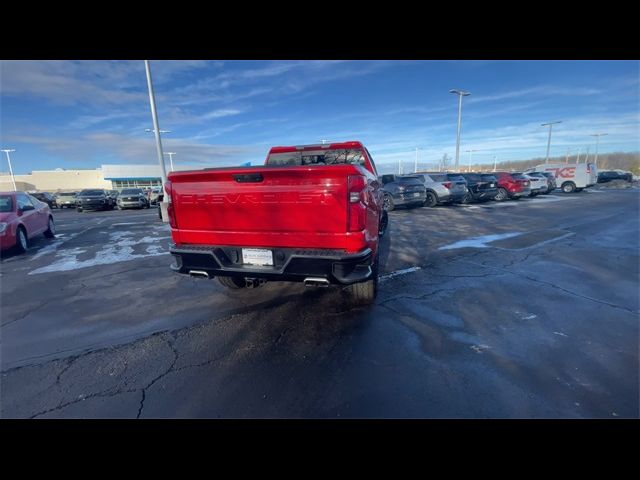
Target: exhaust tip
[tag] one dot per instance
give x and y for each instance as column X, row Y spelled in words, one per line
column 316, row 282
column 198, row 274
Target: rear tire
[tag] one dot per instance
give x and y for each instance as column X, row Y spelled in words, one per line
column 364, row 293
column 502, row 195
column 234, row 283
column 22, row 243
column 387, row 203
column 568, row 187
column 431, row 200
column 51, row 231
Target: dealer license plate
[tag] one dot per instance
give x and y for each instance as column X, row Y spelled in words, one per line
column 257, row 256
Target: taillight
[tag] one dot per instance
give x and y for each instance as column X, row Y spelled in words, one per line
column 447, row 184
column 356, row 209
column 588, row 168
column 169, row 200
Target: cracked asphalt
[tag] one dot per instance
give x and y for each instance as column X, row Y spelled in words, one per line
column 543, row 324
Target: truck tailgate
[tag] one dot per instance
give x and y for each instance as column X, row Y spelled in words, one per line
column 291, row 206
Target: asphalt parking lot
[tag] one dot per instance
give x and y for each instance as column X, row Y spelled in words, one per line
column 522, row 309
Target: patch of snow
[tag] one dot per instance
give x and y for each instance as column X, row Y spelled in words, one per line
column 399, row 272
column 479, row 242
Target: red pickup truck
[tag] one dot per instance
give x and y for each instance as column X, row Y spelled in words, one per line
column 311, row 214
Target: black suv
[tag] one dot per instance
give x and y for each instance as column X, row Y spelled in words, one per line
column 608, row 175
column 94, row 199
column 47, row 198
column 480, row 187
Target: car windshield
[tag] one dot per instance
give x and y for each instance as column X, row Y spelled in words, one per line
column 67, row 194
column 6, row 203
column 89, row 193
column 131, row 191
column 519, row 176
column 317, row 157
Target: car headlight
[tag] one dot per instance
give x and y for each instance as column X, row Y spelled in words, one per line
column 3, row 227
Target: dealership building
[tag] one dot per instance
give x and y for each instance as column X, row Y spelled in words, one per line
column 109, row 177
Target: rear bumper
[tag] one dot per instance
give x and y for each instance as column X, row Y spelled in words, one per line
column 409, row 198
column 457, row 196
column 290, row 264
column 488, row 194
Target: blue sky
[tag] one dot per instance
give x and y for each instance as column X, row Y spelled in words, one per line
column 81, row 114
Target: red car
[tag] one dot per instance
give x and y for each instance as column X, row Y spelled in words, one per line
column 511, row 185
column 310, row 214
column 22, row 217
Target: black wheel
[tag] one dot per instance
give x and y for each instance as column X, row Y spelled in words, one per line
column 233, row 283
column 568, row 187
column 468, row 198
column 146, row 205
column 22, row 243
column 384, row 223
column 364, row 293
column 387, row 203
column 78, row 209
column 51, row 231
column 431, row 200
column 502, row 195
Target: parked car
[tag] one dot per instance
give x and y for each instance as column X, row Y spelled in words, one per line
column 45, row 197
column 436, row 192
column 132, row 198
column 402, row 191
column 480, row 187
column 311, row 214
column 66, row 199
column 94, row 199
column 454, row 184
column 551, row 181
column 571, row 177
column 511, row 186
column 22, row 217
column 153, row 195
column 537, row 184
column 608, row 175
column 113, row 194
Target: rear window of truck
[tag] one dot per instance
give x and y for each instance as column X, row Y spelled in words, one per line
column 317, row 157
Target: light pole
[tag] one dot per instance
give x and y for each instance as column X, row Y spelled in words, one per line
column 171, row 154
column 460, row 94
column 597, row 135
column 551, row 124
column 566, row 160
column 7, row 151
column 495, row 162
column 586, row 159
column 578, row 155
column 469, row 162
column 156, row 132
column 415, row 168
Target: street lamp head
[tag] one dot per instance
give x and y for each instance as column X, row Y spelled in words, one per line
column 550, row 123
column 169, row 153
column 459, row 92
column 9, row 150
